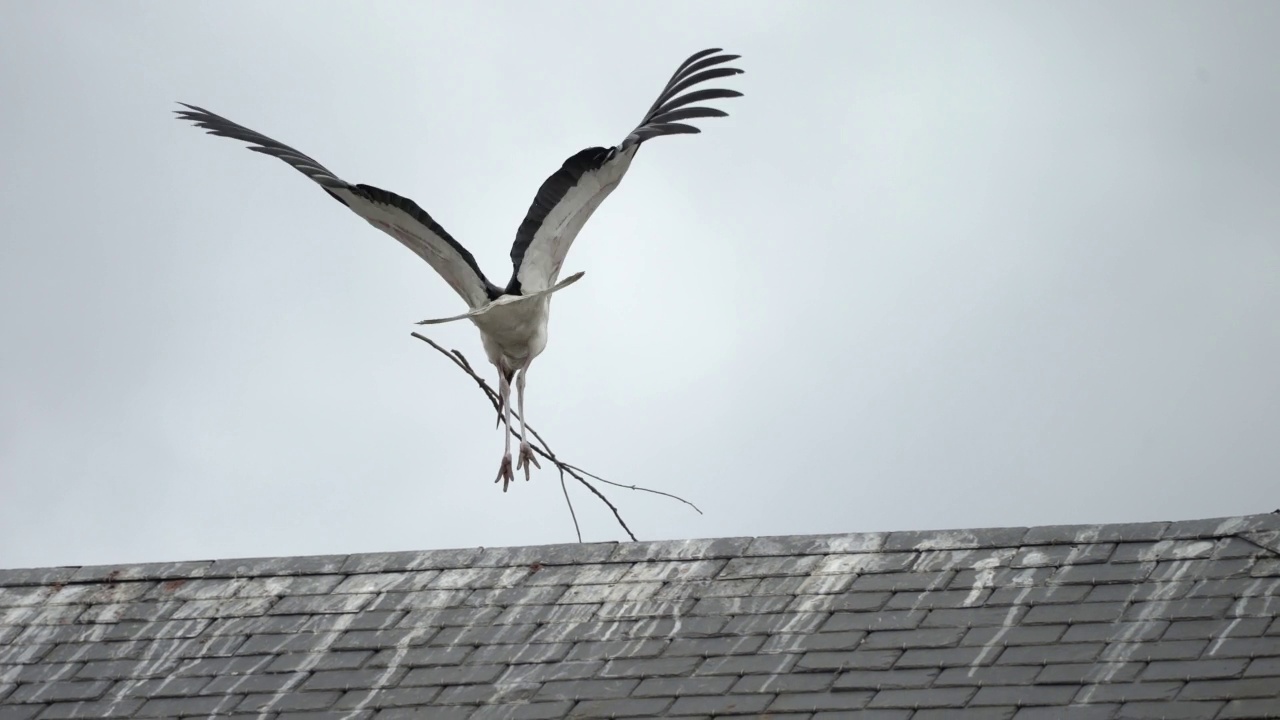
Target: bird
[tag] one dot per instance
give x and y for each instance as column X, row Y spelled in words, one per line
column 512, row 319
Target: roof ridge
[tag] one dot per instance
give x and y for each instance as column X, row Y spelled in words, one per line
column 1261, row 529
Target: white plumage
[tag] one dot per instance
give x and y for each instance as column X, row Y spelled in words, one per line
column 513, row 319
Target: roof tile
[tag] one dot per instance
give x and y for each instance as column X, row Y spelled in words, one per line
column 1085, row 622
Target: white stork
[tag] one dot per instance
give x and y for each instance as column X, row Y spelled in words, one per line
column 512, row 319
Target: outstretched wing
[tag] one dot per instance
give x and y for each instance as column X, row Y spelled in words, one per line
column 568, row 198
column 399, row 217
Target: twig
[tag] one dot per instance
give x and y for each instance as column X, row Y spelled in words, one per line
column 541, row 447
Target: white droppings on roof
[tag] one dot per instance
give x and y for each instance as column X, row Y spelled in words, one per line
column 991, row 645
column 401, row 648
column 313, row 658
column 1179, row 549
column 1256, row 604
column 1035, row 557
column 984, row 577
column 1118, row 650
column 948, row 540
column 1231, row 526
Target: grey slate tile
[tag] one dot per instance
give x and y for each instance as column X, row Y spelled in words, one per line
column 903, row 582
column 1102, row 574
column 955, row 539
column 545, row 555
column 572, row 670
column 1254, row 709
column 58, row 691
column 1014, row 634
column 387, row 697
column 769, row 567
column 649, row 667
column 708, row 647
column 970, row 713
column 920, row 637
column 1124, row 631
column 1169, row 710
column 317, row 604
column 988, row 675
column 288, row 702
column 546, row 614
column 863, row 714
column 886, row 620
column 1030, row 595
column 472, row 694
column 805, row 642
column 255, row 567
column 1162, row 650
column 334, row 660
column 914, row 600
column 946, row 657
column 418, row 656
column 524, row 711
column 1130, row 692
column 642, row 707
column 1072, row 614
column 773, row 624
column 1099, row 711
column 1046, row 654
column 179, row 707
column 409, row 560
column 457, row 712
column 816, row 544
column 680, row 550
column 952, row 697
column 677, row 686
column 453, row 675
column 1213, row 629
column 858, row 660
column 93, row 709
column 1058, row 555
column 1185, row 669
column 521, row 653
column 19, row 712
column 720, row 704
column 840, row 701
column 609, row 649
column 885, row 679
column 1231, row 689
column 587, row 689
column 1127, row 532
column 743, row 664
column 782, row 683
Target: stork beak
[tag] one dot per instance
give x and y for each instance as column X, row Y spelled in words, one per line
column 507, row 300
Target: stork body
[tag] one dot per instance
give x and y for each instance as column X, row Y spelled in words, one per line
column 512, row 320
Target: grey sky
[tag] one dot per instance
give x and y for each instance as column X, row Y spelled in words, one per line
column 944, row 265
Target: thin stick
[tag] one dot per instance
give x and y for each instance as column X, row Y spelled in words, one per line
column 541, row 447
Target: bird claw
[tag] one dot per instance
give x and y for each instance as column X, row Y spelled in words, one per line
column 527, row 460
column 504, row 472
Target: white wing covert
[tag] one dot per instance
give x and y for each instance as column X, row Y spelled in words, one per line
column 567, row 199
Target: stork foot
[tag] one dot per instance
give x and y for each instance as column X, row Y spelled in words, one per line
column 527, row 459
column 504, row 472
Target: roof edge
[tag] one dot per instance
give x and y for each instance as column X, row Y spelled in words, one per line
column 1262, row 530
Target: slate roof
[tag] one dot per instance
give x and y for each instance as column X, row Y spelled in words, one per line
column 1151, row 620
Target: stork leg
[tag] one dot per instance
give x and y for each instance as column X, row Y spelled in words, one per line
column 504, row 396
column 527, row 458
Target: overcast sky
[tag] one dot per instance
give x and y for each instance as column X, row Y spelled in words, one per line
column 945, row 265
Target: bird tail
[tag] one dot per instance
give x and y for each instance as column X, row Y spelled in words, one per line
column 507, row 300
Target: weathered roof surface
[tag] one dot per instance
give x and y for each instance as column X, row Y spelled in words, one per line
column 1152, row 620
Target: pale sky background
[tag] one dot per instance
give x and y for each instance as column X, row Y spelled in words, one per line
column 945, row 265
